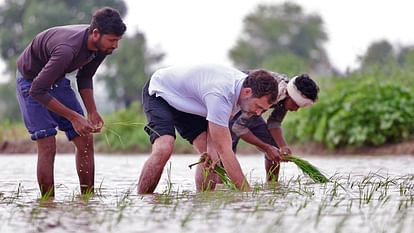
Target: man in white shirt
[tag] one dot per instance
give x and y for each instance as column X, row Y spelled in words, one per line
column 199, row 102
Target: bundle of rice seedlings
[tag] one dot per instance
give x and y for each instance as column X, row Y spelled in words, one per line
column 225, row 179
column 307, row 168
column 219, row 170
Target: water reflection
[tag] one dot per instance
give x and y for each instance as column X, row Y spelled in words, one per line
column 367, row 194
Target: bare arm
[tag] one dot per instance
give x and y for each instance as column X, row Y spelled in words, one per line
column 277, row 134
column 80, row 124
column 221, row 140
column 93, row 115
column 271, row 151
column 274, row 123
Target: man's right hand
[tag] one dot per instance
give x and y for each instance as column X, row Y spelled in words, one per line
column 80, row 124
column 221, row 141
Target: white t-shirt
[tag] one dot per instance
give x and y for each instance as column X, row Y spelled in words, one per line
column 207, row 90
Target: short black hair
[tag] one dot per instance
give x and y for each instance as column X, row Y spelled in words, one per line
column 262, row 83
column 108, row 21
column 307, row 86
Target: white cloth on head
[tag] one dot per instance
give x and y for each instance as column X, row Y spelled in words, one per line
column 296, row 95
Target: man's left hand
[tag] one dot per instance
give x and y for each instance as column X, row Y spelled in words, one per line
column 285, row 150
column 96, row 120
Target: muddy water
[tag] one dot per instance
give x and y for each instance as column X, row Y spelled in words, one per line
column 367, row 194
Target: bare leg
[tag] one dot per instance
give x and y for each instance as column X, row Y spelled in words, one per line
column 153, row 167
column 272, row 171
column 205, row 179
column 85, row 162
column 46, row 151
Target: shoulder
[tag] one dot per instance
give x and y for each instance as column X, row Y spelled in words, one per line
column 68, row 38
column 63, row 50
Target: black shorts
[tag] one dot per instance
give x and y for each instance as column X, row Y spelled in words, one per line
column 257, row 126
column 163, row 119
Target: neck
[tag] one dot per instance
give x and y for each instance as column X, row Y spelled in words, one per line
column 90, row 44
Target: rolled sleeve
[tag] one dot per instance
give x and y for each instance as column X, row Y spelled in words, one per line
column 218, row 109
column 276, row 117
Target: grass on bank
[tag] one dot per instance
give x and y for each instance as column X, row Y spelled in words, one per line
column 12, row 131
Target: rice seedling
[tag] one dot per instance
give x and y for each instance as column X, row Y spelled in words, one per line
column 219, row 170
column 341, row 224
column 169, row 182
column 307, row 168
column 110, row 128
column 88, row 195
column 123, row 136
column 186, row 219
column 166, row 197
column 99, row 189
column 290, row 206
column 322, row 206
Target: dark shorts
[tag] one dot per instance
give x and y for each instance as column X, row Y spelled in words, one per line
column 164, row 119
column 257, row 126
column 39, row 121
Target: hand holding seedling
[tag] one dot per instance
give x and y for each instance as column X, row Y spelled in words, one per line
column 96, row 121
column 272, row 153
column 82, row 126
column 216, row 168
column 285, row 150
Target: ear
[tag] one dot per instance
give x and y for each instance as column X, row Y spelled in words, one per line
column 96, row 34
column 246, row 92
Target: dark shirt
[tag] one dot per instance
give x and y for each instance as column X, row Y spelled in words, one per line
column 54, row 53
column 278, row 114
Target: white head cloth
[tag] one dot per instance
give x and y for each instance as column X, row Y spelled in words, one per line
column 297, row 96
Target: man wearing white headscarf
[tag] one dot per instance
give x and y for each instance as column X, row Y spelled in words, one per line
column 298, row 92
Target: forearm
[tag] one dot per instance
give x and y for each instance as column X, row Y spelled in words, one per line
column 277, row 134
column 252, row 139
column 233, row 169
column 79, row 123
column 221, row 141
column 55, row 106
column 88, row 100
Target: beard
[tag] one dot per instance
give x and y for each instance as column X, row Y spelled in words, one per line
column 101, row 49
column 245, row 107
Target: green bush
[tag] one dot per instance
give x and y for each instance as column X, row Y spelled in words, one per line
column 356, row 111
column 124, row 132
column 11, row 131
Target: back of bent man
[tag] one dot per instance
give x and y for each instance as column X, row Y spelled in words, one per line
column 199, row 101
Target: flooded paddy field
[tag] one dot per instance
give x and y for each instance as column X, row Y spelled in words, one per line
column 365, row 194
